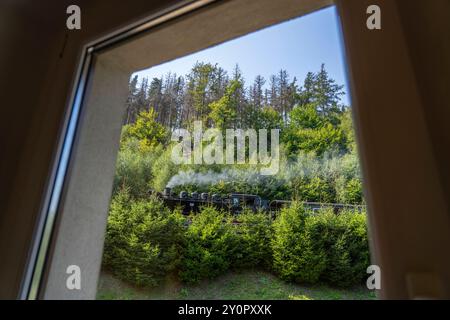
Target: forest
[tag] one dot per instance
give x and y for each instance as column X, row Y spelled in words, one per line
column 146, row 242
column 318, row 150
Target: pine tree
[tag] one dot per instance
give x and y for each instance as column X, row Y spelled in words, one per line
column 257, row 92
column 239, row 97
column 322, row 91
column 141, row 96
column 155, row 96
column 327, row 93
column 224, row 111
column 130, row 115
column 199, row 90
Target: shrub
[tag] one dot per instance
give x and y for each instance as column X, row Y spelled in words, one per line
column 315, row 189
column 296, row 257
column 346, row 244
column 140, row 171
column 353, row 191
column 310, row 131
column 147, row 130
column 253, row 233
column 330, row 178
column 210, row 241
column 143, row 240
column 309, row 248
column 163, row 169
column 134, row 168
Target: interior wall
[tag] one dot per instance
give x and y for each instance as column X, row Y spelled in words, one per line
column 80, row 229
column 427, row 24
column 397, row 82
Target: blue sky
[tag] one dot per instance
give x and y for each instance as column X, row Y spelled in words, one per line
column 298, row 46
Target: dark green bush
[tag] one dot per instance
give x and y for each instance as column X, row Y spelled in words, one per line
column 210, row 243
column 296, row 257
column 344, row 239
column 353, row 191
column 309, row 248
column 143, row 240
column 253, row 233
column 315, row 189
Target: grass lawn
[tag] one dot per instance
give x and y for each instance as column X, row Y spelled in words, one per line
column 252, row 285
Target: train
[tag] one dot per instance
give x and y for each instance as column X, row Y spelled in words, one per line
column 235, row 203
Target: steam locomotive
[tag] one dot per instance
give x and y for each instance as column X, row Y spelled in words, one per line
column 237, row 202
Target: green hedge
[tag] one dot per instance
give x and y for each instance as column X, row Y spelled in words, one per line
column 344, row 238
column 210, row 241
column 143, row 240
column 253, row 233
column 320, row 247
column 216, row 242
column 296, row 254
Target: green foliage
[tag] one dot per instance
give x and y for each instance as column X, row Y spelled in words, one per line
column 296, row 257
column 306, row 116
column 214, row 244
column 346, row 125
column 223, row 111
column 315, row 189
column 315, row 123
column 308, row 248
column 134, row 168
column 163, row 169
column 349, row 191
column 321, row 90
column 247, row 181
column 330, row 178
column 143, row 240
column 147, row 130
column 308, row 131
column 319, row 141
column 344, row 239
column 210, row 241
column 266, row 118
column 205, row 84
column 253, row 232
column 316, row 126
column 139, row 170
